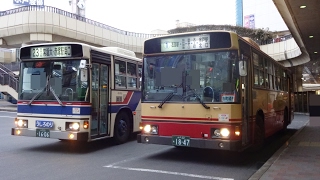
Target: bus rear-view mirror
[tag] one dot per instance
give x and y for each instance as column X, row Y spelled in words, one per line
column 83, row 64
column 242, row 68
column 83, row 75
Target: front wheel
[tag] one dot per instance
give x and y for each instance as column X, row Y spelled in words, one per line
column 122, row 128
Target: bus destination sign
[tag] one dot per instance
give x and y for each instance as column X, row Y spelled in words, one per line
column 50, row 51
column 201, row 41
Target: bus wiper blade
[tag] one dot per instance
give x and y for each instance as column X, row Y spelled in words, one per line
column 202, row 103
column 50, row 90
column 166, row 99
column 54, row 94
column 36, row 96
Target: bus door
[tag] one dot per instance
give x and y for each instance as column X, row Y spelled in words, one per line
column 245, row 100
column 100, row 99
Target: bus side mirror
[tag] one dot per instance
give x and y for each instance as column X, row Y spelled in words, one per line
column 83, row 64
column 243, row 68
column 83, row 70
column 83, row 75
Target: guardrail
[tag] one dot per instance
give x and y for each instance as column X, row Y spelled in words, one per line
column 75, row 16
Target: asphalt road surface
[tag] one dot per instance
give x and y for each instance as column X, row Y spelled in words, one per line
column 30, row 158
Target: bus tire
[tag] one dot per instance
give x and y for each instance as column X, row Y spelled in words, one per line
column 259, row 133
column 122, row 128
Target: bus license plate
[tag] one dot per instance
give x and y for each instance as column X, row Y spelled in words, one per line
column 45, row 133
column 181, row 140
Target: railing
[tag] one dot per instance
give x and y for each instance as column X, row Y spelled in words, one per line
column 7, row 77
column 75, row 16
column 13, row 66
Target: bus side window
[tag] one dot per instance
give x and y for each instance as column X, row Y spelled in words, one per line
column 139, row 75
column 256, row 77
column 120, row 74
column 132, row 75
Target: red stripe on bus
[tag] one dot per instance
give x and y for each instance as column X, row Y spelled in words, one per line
column 183, row 118
column 126, row 99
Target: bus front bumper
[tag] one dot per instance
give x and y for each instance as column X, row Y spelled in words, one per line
column 195, row 143
column 64, row 135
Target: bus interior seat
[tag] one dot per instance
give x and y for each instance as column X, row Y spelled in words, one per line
column 208, row 94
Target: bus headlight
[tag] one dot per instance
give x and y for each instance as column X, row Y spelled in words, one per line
column 21, row 123
column 224, row 132
column 72, row 126
column 150, row 129
column 220, row 133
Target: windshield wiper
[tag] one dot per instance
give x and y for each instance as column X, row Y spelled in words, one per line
column 202, row 103
column 49, row 89
column 57, row 98
column 169, row 96
column 37, row 95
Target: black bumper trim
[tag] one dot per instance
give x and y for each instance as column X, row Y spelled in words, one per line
column 195, row 143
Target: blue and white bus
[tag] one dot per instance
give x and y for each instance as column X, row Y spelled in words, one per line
column 74, row 91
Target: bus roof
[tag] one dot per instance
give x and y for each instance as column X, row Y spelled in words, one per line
column 110, row 50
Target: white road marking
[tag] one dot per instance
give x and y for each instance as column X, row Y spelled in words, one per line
column 7, row 116
column 168, row 172
column 8, row 111
column 136, row 157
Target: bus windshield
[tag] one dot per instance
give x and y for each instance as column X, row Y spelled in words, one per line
column 52, row 80
column 208, row 77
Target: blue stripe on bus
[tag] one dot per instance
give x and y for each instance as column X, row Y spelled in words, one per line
column 133, row 103
column 67, row 110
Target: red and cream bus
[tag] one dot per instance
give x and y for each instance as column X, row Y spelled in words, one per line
column 212, row 89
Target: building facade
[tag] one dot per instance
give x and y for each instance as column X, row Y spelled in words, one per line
column 239, row 13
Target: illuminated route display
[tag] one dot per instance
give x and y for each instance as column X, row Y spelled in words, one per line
column 201, row 41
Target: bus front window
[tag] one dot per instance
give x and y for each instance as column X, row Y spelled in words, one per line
column 210, row 77
column 43, row 80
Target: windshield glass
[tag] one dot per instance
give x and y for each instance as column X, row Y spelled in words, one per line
column 62, row 77
column 210, row 76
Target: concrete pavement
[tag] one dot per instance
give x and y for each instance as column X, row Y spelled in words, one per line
column 298, row 159
column 7, row 106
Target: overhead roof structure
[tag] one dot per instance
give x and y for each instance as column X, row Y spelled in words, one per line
column 303, row 20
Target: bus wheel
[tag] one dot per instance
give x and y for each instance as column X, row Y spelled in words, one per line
column 259, row 133
column 121, row 128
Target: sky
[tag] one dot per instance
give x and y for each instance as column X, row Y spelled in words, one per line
column 144, row 16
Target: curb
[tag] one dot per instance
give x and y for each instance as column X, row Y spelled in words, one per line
column 264, row 168
column 8, row 109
